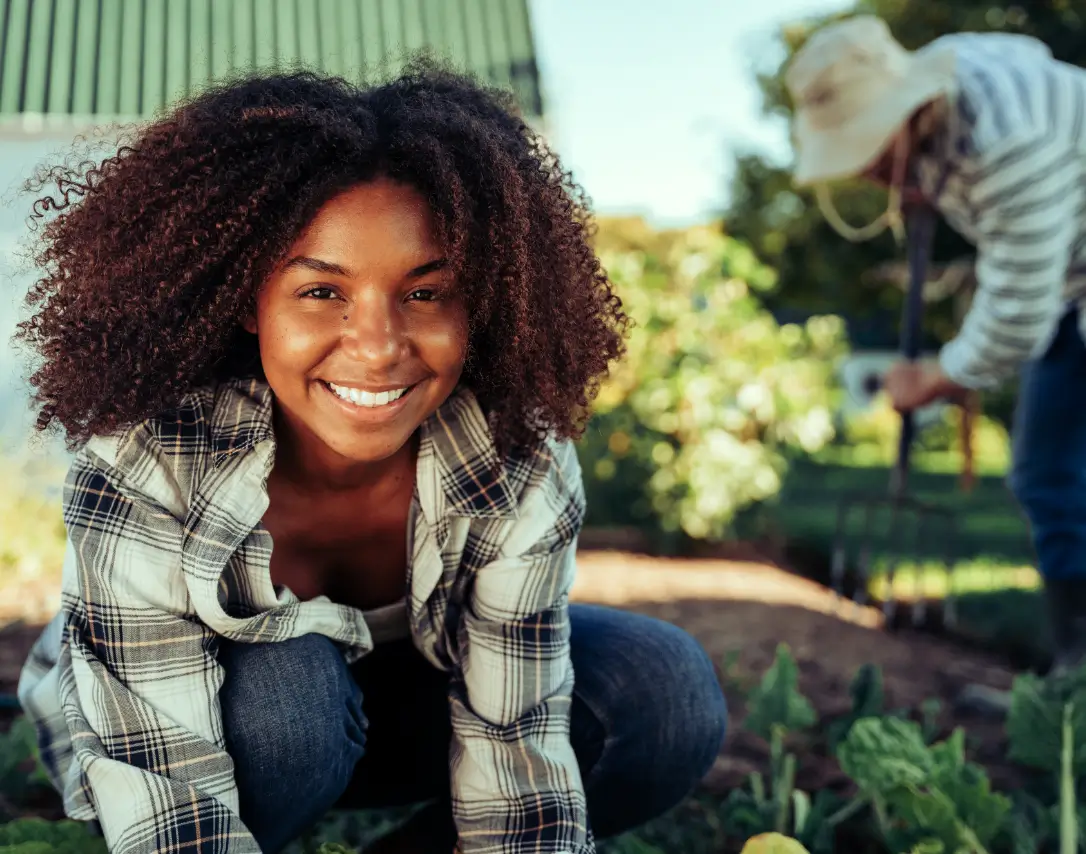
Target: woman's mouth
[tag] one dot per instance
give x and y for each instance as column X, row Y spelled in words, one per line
column 369, row 406
column 368, row 399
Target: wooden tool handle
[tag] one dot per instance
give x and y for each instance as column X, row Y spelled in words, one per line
column 967, row 415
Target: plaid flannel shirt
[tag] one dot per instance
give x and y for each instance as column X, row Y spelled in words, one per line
column 166, row 554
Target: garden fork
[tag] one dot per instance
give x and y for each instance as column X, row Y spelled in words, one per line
column 911, row 522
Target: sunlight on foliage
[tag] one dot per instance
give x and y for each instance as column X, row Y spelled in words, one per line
column 31, row 527
column 870, row 438
column 696, row 421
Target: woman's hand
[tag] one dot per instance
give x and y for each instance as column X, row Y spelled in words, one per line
column 911, row 385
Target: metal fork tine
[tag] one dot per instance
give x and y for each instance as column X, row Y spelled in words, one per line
column 911, row 520
column 889, row 606
column 919, row 609
column 950, row 603
column 863, row 562
column 839, row 560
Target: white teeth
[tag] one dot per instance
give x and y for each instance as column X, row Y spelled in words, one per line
column 367, row 398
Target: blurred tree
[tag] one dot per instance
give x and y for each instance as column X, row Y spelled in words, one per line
column 819, row 271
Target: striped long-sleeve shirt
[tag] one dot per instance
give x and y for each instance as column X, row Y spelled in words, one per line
column 167, row 554
column 1009, row 174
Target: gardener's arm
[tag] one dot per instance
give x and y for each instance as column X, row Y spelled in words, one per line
column 1027, row 192
column 140, row 695
column 515, row 779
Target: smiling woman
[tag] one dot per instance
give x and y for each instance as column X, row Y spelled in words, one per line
column 321, row 353
column 362, row 331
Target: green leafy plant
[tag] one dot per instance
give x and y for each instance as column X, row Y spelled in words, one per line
column 776, row 702
column 1046, row 730
column 631, row 843
column 920, row 794
column 1036, row 721
column 776, row 709
column 868, row 700
column 38, row 836
column 21, row 770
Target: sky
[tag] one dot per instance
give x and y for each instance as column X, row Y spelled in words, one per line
column 649, row 101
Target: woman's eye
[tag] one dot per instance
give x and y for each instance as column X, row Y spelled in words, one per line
column 423, row 295
column 320, row 292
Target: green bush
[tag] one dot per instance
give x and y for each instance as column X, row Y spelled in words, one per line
column 697, row 421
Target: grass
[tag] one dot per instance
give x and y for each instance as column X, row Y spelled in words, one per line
column 993, row 579
column 990, row 528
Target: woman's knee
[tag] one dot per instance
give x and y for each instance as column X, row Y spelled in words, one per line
column 650, row 707
column 293, row 725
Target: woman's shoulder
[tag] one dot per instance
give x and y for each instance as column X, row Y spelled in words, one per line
column 552, row 464
column 166, row 457
column 490, row 481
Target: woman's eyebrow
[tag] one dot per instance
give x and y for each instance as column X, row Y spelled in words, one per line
column 330, row 269
column 317, row 266
column 428, row 267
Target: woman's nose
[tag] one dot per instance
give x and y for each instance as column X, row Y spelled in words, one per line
column 374, row 332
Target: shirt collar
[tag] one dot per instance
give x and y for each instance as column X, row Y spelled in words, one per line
column 456, row 440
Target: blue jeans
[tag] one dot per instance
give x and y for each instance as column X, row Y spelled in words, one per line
column 307, row 733
column 1048, row 476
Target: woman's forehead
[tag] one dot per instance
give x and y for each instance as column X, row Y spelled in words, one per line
column 378, row 217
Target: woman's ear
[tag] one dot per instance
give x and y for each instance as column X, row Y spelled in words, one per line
column 248, row 323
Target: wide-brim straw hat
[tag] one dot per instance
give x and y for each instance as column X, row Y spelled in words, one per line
column 853, row 87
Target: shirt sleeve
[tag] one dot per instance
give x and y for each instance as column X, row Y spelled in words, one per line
column 515, row 780
column 1027, row 194
column 141, row 681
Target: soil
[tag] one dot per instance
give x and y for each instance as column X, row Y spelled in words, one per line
column 745, row 608
column 740, row 609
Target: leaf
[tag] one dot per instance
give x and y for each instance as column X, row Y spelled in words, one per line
column 866, row 691
column 773, row 843
column 1069, row 831
column 335, row 848
column 928, row 792
column 818, row 832
column 928, row 846
column 930, row 710
column 801, row 809
column 1035, row 721
column 743, row 816
column 980, row 809
column 867, row 701
column 31, row 835
column 1031, row 825
column 777, row 701
column 883, row 754
column 634, row 844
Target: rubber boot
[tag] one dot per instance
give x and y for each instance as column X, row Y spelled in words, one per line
column 1067, row 619
column 1065, row 601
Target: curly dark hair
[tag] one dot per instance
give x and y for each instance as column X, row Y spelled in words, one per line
column 150, row 258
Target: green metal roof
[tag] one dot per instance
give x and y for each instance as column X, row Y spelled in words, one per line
column 126, row 59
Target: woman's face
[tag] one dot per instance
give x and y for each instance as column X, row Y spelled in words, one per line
column 362, row 331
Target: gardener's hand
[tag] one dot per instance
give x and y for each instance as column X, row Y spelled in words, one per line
column 911, row 385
